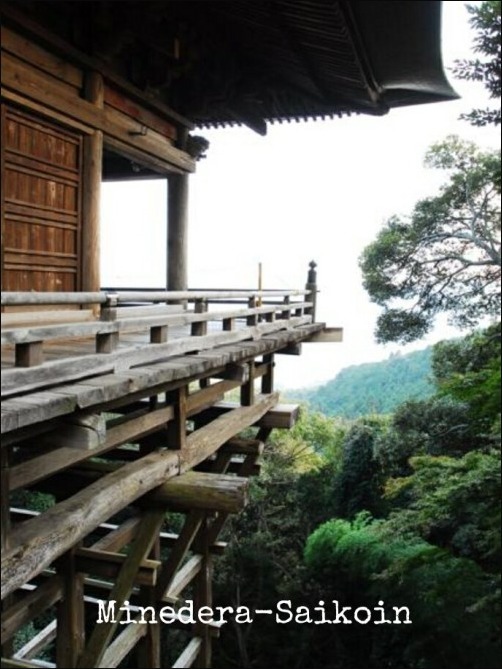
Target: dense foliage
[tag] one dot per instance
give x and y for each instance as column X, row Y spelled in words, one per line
column 373, row 387
column 485, row 19
column 402, row 509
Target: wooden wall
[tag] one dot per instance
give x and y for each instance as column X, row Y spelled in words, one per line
column 58, row 111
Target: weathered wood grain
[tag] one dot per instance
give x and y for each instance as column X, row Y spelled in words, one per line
column 38, row 542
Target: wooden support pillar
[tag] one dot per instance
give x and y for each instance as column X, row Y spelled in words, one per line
column 253, row 319
column 70, row 637
column 247, row 389
column 267, row 381
column 148, row 651
column 91, row 190
column 177, row 232
column 176, row 428
column 203, row 596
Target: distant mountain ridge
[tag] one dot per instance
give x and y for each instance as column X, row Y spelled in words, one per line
column 372, row 387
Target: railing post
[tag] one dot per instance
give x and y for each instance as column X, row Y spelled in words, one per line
column 199, row 328
column 311, row 286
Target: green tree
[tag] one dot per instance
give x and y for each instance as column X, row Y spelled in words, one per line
column 485, row 19
column 468, row 370
column 446, row 256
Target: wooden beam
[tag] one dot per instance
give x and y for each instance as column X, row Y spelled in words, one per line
column 108, row 565
column 326, row 336
column 31, row 606
column 122, row 645
column 38, row 642
column 295, row 348
column 189, row 655
column 23, row 79
column 183, row 578
column 101, row 636
column 282, row 416
column 36, row 543
column 29, row 355
column 200, row 490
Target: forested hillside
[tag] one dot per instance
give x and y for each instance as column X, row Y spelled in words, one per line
column 374, row 387
column 401, row 510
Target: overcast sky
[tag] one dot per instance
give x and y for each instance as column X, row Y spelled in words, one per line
column 319, row 191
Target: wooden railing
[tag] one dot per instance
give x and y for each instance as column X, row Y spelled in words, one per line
column 174, row 323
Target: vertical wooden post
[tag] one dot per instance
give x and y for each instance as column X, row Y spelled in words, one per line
column 203, row 594
column 176, row 428
column 70, row 617
column 247, row 389
column 286, row 314
column 91, row 190
column 199, row 329
column 253, row 318
column 177, row 232
column 267, row 381
column 148, row 652
column 8, row 646
column 311, row 286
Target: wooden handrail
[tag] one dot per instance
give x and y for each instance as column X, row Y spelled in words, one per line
column 32, row 298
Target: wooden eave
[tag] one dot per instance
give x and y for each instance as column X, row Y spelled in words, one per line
column 222, row 63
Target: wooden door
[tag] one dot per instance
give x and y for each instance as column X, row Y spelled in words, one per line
column 41, row 211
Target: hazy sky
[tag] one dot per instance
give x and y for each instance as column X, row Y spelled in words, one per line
column 319, row 190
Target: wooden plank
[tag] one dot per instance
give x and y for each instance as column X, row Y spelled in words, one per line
column 41, row 540
column 189, row 655
column 102, row 634
column 69, row 369
column 178, row 553
column 12, row 663
column 118, row 537
column 108, row 565
column 35, row 55
column 183, row 578
column 326, row 336
column 117, row 389
column 16, row 320
column 31, row 606
column 13, row 298
column 37, row 643
column 122, row 645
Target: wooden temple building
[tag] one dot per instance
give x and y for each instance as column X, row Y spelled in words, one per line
column 116, row 403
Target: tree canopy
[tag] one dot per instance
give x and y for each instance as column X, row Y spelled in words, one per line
column 485, row 19
column 444, row 257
